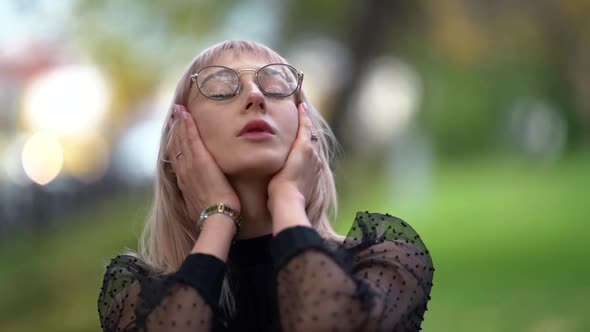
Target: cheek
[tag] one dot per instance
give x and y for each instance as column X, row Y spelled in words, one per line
column 290, row 121
column 211, row 133
column 288, row 128
column 210, row 128
column 292, row 126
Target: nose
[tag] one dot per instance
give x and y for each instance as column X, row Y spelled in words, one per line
column 254, row 97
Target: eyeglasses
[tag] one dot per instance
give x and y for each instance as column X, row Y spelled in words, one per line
column 275, row 80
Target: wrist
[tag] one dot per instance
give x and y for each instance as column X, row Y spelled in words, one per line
column 216, row 236
column 223, row 209
column 233, row 203
column 288, row 213
column 219, row 223
column 286, row 197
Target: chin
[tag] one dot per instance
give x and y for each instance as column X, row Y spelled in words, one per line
column 258, row 167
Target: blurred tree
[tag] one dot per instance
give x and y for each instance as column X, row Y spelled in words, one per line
column 475, row 57
column 568, row 29
column 368, row 28
column 126, row 37
column 482, row 57
column 134, row 42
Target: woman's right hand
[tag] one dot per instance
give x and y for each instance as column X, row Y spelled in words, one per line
column 198, row 176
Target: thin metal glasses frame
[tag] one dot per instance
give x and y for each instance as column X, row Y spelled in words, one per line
column 299, row 73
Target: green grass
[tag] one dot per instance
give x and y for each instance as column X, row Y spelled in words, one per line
column 49, row 281
column 509, row 243
column 508, row 239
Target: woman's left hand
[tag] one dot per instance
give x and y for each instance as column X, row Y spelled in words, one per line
column 299, row 174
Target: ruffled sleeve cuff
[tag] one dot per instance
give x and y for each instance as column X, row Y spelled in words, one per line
column 205, row 273
column 291, row 241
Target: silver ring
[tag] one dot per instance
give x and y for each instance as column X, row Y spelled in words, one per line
column 178, row 155
column 314, row 136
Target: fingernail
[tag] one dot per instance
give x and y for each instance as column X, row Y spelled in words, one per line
column 184, row 114
column 305, row 106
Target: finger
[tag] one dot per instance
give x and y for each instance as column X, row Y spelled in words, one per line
column 306, row 128
column 176, row 138
column 180, row 135
column 171, row 145
column 173, row 126
column 191, row 142
column 171, row 118
column 169, row 131
column 305, row 125
column 191, row 125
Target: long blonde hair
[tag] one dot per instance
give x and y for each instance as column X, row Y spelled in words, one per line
column 169, row 234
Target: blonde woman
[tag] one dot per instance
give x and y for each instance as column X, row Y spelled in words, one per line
column 239, row 237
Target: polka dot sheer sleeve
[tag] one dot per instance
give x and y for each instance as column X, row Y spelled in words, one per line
column 379, row 279
column 133, row 298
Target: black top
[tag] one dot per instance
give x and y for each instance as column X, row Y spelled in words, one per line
column 379, row 278
column 251, row 276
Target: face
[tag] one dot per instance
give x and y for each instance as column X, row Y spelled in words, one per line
column 220, row 122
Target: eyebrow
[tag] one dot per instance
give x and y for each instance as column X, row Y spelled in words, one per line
column 212, row 75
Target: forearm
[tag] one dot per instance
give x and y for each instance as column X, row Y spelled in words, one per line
column 216, row 236
column 287, row 210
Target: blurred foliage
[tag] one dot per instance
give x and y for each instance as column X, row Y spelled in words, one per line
column 507, row 238
column 476, row 58
column 480, row 58
column 133, row 42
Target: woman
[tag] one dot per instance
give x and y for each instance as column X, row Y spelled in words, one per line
column 239, row 236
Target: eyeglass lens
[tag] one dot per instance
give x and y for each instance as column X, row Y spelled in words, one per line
column 275, row 80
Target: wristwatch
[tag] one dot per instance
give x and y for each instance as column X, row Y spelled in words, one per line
column 220, row 208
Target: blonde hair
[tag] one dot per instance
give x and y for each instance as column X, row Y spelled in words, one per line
column 169, row 234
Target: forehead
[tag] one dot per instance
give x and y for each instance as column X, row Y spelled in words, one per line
column 242, row 60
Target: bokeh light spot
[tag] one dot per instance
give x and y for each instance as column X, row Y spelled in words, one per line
column 42, row 157
column 86, row 157
column 67, row 100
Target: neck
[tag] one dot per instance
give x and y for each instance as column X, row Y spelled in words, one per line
column 253, row 195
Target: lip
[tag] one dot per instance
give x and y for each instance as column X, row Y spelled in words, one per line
column 256, row 128
column 257, row 135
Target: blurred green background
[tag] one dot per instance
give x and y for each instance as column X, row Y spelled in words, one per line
column 468, row 119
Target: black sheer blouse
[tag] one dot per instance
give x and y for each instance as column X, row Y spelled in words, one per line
column 378, row 279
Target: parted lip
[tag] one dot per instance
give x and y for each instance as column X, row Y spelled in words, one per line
column 256, row 125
